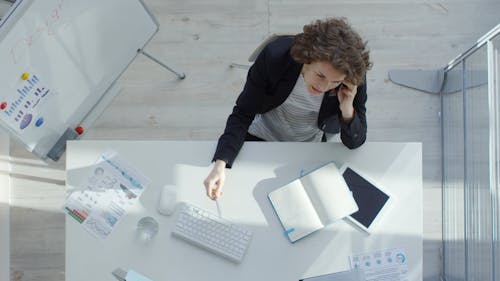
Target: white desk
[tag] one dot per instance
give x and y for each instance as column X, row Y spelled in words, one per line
column 259, row 169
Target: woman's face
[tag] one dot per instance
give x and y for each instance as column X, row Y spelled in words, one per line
column 321, row 76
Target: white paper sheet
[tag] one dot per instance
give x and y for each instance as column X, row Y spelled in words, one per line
column 387, row 265
column 104, row 196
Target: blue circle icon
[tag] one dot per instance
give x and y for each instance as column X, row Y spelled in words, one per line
column 39, row 122
column 400, row 258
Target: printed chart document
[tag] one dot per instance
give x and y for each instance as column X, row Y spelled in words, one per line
column 104, row 196
column 313, row 201
column 387, row 265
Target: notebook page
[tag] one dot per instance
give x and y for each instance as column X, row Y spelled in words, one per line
column 295, row 210
column 329, row 194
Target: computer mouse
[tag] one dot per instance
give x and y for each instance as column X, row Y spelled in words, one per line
column 168, row 199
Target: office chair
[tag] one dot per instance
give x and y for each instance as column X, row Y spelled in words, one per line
column 259, row 48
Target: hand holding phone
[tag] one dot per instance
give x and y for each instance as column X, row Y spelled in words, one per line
column 346, row 93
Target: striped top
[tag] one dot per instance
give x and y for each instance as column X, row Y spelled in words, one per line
column 296, row 119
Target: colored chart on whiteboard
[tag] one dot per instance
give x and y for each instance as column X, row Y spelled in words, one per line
column 24, row 106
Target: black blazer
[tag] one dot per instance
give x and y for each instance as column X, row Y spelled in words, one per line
column 270, row 81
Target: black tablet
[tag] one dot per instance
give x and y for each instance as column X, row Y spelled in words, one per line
column 372, row 200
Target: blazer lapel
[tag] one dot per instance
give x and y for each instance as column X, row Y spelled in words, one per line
column 285, row 84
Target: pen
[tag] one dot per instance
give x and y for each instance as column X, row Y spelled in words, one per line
column 218, row 208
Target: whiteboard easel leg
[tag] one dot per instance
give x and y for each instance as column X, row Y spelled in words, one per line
column 179, row 75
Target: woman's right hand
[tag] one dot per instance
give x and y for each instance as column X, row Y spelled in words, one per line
column 215, row 180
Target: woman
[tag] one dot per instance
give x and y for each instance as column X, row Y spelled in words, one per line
column 299, row 88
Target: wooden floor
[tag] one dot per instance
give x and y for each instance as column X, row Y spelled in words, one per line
column 201, row 38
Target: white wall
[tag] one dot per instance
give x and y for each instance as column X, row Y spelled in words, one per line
column 4, row 208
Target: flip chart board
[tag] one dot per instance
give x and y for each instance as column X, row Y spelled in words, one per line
column 59, row 58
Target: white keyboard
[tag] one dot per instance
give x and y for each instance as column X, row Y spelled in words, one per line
column 211, row 232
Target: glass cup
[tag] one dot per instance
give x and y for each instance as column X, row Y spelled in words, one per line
column 147, row 228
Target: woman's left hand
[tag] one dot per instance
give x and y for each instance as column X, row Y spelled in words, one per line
column 346, row 95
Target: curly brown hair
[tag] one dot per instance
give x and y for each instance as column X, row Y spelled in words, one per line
column 333, row 40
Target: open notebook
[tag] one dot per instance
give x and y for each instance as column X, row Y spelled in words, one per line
column 313, row 201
